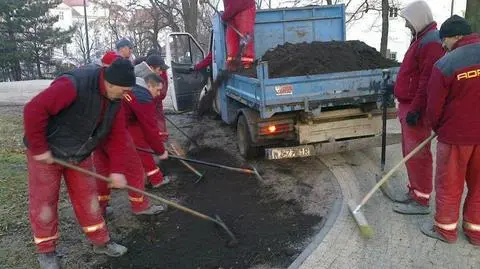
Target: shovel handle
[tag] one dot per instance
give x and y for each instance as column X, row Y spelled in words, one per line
column 390, row 173
column 153, row 196
column 242, row 170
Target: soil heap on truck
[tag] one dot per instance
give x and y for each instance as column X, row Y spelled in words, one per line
column 310, row 92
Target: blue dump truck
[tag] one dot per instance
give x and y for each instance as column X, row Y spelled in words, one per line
column 285, row 117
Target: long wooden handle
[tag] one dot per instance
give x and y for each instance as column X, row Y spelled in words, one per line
column 390, row 173
column 191, row 168
column 153, row 196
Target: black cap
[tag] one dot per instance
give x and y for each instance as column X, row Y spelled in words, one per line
column 157, row 61
column 153, row 52
column 454, row 26
column 120, row 73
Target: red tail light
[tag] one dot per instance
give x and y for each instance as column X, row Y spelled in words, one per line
column 272, row 128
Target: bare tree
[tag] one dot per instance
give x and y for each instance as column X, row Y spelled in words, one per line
column 95, row 46
column 472, row 14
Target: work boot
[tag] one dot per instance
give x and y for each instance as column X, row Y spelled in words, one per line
column 403, row 198
column 165, row 181
column 411, row 208
column 110, row 249
column 152, row 210
column 428, row 229
column 108, row 212
column 48, row 260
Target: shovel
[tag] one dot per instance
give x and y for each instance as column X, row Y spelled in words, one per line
column 233, row 242
column 365, row 229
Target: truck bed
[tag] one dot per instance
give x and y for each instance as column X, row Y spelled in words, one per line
column 270, row 96
column 300, row 93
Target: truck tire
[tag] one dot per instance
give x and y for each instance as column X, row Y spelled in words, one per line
column 244, row 140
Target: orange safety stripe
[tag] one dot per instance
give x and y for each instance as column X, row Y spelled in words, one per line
column 104, row 198
column 93, row 228
column 448, row 227
column 471, row 226
column 127, row 97
column 247, row 59
column 153, row 172
column 39, row 240
column 134, row 199
column 421, row 194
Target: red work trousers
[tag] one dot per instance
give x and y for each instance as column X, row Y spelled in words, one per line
column 154, row 175
column 43, row 191
column 244, row 21
column 456, row 165
column 133, row 172
column 419, row 167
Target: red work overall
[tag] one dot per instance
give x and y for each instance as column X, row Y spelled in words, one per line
column 457, row 164
column 244, row 21
column 154, row 174
column 44, row 188
column 134, row 174
column 419, row 167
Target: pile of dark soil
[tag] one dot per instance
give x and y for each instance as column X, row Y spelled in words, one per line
column 323, row 57
column 269, row 230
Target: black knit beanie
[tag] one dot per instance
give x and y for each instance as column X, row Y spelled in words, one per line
column 120, row 73
column 454, row 26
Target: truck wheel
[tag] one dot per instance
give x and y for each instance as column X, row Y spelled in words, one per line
column 244, row 139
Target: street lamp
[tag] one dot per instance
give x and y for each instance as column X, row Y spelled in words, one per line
column 451, row 9
column 87, row 49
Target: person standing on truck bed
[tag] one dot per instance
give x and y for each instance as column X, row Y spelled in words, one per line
column 410, row 90
column 452, row 109
column 241, row 15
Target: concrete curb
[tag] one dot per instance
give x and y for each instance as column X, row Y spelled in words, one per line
column 327, row 226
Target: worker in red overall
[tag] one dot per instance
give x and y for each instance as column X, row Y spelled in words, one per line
column 410, row 91
column 206, row 62
column 241, row 15
column 139, row 114
column 155, row 64
column 78, row 113
column 109, row 57
column 453, row 110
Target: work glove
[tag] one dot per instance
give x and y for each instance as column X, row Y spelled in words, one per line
column 164, row 156
column 44, row 157
column 412, row 118
column 118, row 180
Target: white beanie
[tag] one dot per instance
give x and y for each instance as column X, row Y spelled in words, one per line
column 418, row 14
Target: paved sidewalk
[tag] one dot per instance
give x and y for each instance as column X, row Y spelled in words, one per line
column 397, row 243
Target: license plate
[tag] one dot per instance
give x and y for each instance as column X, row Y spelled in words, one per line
column 287, row 153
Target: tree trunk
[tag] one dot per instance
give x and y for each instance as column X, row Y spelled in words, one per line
column 329, row 2
column 384, row 42
column 15, row 64
column 39, row 66
column 190, row 16
column 472, row 14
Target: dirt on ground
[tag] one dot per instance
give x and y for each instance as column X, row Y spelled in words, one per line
column 270, row 230
column 322, row 57
column 273, row 218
